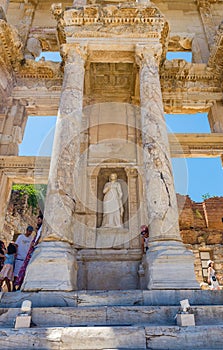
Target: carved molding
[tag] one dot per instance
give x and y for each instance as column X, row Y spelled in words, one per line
column 196, row 145
column 126, row 20
column 216, row 55
column 207, row 19
column 40, row 70
column 10, row 45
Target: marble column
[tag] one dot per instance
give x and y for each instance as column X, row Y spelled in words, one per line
column 170, row 264
column 55, row 256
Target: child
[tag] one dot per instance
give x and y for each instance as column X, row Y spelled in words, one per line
column 7, row 271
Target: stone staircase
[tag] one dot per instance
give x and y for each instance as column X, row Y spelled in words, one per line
column 95, row 320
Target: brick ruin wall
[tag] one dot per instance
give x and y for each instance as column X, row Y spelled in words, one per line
column 201, row 226
column 201, row 229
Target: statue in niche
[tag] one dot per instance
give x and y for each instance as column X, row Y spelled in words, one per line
column 112, row 203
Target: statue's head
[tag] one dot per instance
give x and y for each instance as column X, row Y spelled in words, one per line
column 113, row 177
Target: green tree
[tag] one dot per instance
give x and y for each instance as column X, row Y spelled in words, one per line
column 36, row 194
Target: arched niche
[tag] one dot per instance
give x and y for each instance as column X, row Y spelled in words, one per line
column 102, row 178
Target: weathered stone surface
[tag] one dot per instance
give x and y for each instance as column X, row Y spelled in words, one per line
column 52, row 267
column 185, row 320
column 113, row 298
column 112, row 316
column 189, row 337
column 101, row 71
column 74, row 338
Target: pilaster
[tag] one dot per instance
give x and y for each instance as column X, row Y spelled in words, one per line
column 170, row 265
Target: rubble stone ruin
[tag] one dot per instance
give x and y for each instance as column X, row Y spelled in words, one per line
column 110, row 169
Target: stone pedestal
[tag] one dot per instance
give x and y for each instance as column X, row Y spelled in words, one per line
column 52, row 267
column 184, row 320
column 170, row 266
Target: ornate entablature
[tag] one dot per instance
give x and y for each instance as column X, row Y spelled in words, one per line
column 187, row 87
column 40, row 70
column 10, row 45
column 126, row 20
column 185, row 74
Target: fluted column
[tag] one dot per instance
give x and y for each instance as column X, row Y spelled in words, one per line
column 170, row 265
column 56, row 254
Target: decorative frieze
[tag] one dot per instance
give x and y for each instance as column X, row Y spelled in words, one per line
column 10, row 44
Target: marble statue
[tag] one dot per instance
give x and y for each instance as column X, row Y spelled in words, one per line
column 112, row 203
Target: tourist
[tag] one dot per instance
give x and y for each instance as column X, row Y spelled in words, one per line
column 144, row 238
column 212, row 278
column 22, row 271
column 39, row 229
column 112, row 203
column 6, row 273
column 23, row 244
column 2, row 254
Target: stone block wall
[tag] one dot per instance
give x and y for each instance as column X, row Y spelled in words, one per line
column 201, row 229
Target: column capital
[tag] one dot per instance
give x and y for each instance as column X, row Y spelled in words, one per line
column 148, row 54
column 74, row 53
column 203, row 3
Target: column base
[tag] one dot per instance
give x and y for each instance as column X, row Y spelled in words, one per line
column 53, row 267
column 170, row 266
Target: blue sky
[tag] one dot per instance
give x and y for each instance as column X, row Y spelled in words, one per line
column 192, row 176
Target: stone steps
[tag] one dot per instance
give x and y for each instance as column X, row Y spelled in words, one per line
column 113, row 298
column 110, row 338
column 103, row 320
column 112, row 316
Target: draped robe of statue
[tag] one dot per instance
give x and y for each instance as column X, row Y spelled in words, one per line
column 112, row 203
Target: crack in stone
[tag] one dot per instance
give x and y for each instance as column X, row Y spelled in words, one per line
column 167, row 190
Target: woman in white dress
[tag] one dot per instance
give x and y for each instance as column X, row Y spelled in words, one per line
column 112, row 203
column 212, row 278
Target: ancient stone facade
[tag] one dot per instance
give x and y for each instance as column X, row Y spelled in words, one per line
column 110, row 93
column 201, row 227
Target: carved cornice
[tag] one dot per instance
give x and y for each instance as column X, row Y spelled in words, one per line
column 127, row 20
column 10, row 45
column 40, row 70
column 196, row 145
column 187, row 87
column 25, row 169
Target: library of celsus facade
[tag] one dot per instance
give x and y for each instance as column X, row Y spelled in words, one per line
column 110, row 92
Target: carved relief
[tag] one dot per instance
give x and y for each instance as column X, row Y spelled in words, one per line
column 208, row 22
column 216, row 55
